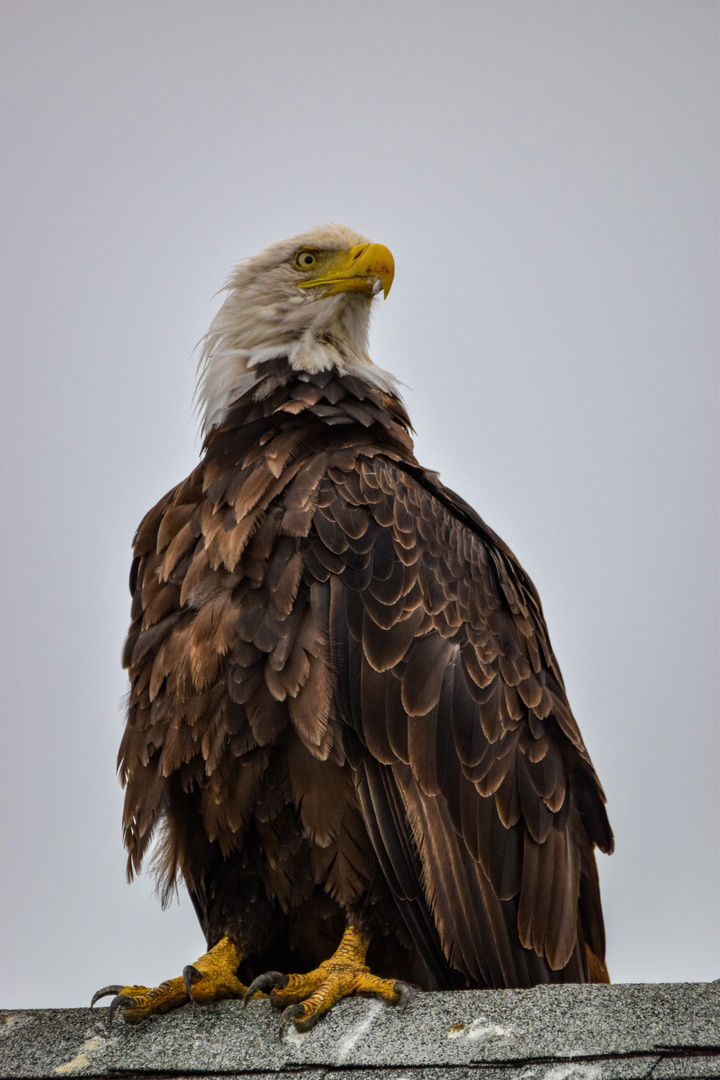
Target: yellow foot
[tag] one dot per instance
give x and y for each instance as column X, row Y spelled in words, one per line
column 305, row 998
column 211, row 978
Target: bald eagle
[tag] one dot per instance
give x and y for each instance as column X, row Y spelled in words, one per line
column 347, row 730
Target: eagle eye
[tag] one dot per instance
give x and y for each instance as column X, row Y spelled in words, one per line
column 305, row 259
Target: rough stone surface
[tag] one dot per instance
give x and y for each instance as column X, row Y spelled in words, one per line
column 667, row 1032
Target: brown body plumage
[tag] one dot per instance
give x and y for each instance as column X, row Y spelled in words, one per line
column 345, row 708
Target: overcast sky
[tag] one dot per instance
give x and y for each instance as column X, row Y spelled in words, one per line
column 545, row 173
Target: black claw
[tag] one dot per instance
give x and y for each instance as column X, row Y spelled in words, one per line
column 191, row 975
column 271, row 980
column 121, row 1001
column 289, row 1015
column 105, row 992
column 406, row 992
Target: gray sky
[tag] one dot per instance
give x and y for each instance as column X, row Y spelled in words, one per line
column 545, row 174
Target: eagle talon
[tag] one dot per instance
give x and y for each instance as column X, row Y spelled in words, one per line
column 306, row 998
column 120, row 1001
column 213, row 977
column 294, row 1012
column 271, row 980
column 105, row 992
column 191, row 975
column 406, row 992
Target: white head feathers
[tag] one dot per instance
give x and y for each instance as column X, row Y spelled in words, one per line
column 266, row 315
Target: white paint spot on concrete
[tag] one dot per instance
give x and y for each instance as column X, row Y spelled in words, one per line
column 88, row 1052
column 360, row 1029
column 293, row 1036
column 573, row 1072
column 483, row 1029
column 480, row 1030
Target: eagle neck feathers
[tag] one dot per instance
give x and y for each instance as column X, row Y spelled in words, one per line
column 238, row 347
column 320, row 409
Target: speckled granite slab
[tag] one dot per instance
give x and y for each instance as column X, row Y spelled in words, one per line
column 663, row 1032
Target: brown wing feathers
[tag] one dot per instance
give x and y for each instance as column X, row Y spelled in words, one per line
column 330, row 653
column 474, row 718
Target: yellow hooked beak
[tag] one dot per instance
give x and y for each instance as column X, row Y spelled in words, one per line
column 365, row 268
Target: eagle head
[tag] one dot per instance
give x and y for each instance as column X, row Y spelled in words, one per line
column 308, row 300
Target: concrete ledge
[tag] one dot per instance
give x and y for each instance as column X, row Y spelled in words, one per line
column 667, row 1032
